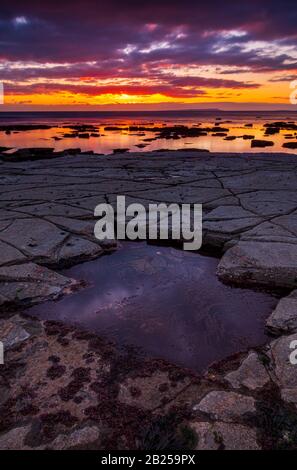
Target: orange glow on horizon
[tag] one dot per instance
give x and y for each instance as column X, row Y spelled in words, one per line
column 266, row 94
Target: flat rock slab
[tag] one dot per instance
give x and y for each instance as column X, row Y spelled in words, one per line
column 226, row 406
column 251, row 374
column 29, row 283
column 260, row 263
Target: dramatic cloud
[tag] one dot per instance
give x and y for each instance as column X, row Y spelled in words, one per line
column 162, row 48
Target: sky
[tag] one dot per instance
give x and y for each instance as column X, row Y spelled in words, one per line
column 107, row 54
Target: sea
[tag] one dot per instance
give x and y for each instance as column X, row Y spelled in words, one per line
column 237, row 123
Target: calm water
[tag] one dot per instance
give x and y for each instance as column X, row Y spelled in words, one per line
column 110, row 140
column 168, row 303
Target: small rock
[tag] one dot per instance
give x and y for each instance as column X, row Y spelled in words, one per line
column 11, row 333
column 284, row 318
column 290, row 145
column 230, row 137
column 261, row 143
column 251, row 374
column 226, row 406
column 83, row 135
column 120, row 150
column 271, row 264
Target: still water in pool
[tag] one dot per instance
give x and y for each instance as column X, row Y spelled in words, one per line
column 166, row 302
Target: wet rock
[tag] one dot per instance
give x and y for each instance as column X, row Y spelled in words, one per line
column 273, row 265
column 226, row 406
column 261, row 143
column 290, row 145
column 271, row 130
column 66, row 152
column 76, row 249
column 284, row 318
column 69, row 135
column 120, row 150
column 219, row 436
column 217, row 129
column 281, row 125
column 192, row 149
column 82, row 127
column 28, row 154
column 251, row 374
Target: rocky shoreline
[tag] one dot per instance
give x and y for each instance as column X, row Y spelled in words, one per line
column 143, row 135
column 65, row 388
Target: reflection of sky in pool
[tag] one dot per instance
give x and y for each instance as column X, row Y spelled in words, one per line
column 165, row 301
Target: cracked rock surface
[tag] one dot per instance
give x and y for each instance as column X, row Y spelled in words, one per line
column 63, row 388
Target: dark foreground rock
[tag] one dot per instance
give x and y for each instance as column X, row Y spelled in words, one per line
column 261, row 143
column 32, row 154
column 290, row 145
column 62, row 388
